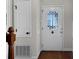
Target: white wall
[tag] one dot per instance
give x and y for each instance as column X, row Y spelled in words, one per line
column 68, row 20
column 36, row 27
column 68, row 24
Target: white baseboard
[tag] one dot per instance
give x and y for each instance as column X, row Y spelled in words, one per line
column 36, row 57
column 67, row 49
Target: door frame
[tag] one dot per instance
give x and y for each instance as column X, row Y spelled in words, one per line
column 13, row 14
column 46, row 6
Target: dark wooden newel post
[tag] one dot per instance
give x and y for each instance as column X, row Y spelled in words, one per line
column 10, row 38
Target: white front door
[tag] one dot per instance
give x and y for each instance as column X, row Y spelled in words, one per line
column 52, row 27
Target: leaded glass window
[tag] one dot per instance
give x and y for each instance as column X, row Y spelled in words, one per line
column 52, row 19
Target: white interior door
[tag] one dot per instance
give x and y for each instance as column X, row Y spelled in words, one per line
column 22, row 17
column 22, row 23
column 52, row 27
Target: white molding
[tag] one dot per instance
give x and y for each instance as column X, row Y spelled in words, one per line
column 67, row 49
column 52, row 6
column 36, row 57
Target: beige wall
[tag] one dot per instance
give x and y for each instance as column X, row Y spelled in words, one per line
column 68, row 20
column 68, row 24
column 36, row 27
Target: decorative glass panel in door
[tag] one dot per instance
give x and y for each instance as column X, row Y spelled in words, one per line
column 52, row 19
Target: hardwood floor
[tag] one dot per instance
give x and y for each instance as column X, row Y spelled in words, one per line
column 56, row 55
